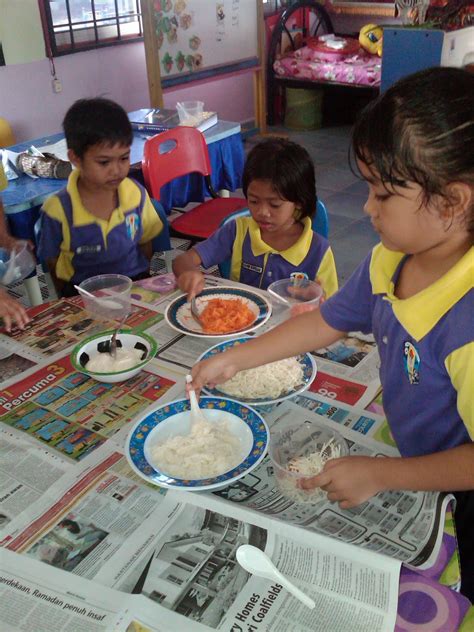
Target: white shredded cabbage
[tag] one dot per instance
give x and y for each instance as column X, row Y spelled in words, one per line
column 210, row 449
column 267, row 381
column 306, row 467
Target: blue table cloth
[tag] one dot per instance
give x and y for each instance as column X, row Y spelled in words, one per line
column 24, row 196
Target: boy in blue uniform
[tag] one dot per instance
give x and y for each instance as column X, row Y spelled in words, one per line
column 102, row 221
column 414, row 147
column 277, row 240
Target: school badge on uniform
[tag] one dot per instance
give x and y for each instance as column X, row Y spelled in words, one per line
column 132, row 222
column 412, row 363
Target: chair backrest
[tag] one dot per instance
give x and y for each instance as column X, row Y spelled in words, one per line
column 173, row 154
column 320, row 225
column 7, row 136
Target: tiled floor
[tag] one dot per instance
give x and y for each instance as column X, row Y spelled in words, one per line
column 350, row 232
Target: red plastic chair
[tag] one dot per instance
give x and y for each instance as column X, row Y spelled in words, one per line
column 186, row 152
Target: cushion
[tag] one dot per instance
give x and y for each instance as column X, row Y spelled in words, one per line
column 204, row 219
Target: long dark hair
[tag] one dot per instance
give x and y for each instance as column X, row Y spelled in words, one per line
column 288, row 167
column 421, row 130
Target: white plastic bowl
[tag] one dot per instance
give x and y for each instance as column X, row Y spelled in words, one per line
column 85, row 350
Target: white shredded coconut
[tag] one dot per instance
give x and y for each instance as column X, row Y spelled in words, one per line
column 266, row 381
column 210, row 449
column 306, row 467
column 106, row 363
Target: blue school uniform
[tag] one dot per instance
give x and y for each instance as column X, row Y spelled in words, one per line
column 426, row 347
column 86, row 245
column 256, row 263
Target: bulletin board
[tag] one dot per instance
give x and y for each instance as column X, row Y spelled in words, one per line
column 191, row 40
column 200, row 38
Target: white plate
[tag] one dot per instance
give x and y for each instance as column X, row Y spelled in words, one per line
column 306, row 360
column 178, row 313
column 174, row 419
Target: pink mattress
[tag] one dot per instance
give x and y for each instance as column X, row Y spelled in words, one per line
column 360, row 69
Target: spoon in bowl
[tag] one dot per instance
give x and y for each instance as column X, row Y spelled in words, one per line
column 196, row 413
column 104, row 302
column 255, row 561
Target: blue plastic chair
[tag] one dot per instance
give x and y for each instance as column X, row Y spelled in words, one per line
column 320, row 225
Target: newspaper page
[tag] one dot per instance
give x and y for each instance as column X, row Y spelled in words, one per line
column 72, row 414
column 94, row 512
column 34, row 596
column 57, row 326
column 368, row 423
column 193, row 571
column 26, row 473
column 405, row 525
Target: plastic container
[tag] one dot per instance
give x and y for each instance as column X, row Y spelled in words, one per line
column 300, row 295
column 290, row 443
column 304, row 109
column 190, row 112
column 112, row 294
column 17, row 264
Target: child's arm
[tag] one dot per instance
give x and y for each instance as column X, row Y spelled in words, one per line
column 354, row 479
column 186, row 270
column 147, row 249
column 11, row 310
column 297, row 335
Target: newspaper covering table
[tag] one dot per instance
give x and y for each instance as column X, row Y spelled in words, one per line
column 73, row 516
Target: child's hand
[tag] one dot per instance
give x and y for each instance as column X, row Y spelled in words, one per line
column 350, row 480
column 191, row 283
column 11, row 310
column 212, row 371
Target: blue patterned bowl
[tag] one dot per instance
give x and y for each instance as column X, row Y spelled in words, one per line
column 174, row 419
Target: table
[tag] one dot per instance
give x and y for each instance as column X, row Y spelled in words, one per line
column 23, row 197
column 423, row 602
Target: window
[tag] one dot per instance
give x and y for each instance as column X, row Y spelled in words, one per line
column 76, row 25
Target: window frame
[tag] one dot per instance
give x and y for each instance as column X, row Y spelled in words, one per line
column 58, row 50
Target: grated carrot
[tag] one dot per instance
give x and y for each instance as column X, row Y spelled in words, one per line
column 222, row 316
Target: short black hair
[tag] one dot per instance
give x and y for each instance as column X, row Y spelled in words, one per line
column 96, row 121
column 288, row 167
column 70, row 524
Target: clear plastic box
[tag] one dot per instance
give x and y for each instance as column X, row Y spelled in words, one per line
column 190, row 112
column 17, row 264
column 290, row 444
column 300, row 295
column 112, row 295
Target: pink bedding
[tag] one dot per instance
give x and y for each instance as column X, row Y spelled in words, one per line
column 308, row 64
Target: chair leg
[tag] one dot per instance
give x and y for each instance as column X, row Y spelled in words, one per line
column 33, row 290
column 167, row 255
column 53, row 295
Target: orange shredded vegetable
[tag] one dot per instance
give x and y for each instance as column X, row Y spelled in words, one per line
column 222, row 316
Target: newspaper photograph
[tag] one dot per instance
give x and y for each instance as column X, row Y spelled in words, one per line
column 404, row 525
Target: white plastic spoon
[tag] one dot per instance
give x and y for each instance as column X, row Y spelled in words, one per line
column 258, row 563
column 105, row 302
column 196, row 413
